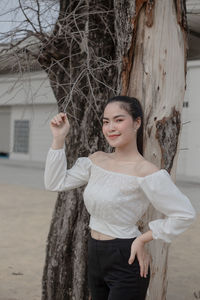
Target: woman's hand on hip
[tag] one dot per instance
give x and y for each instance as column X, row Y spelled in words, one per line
column 138, row 248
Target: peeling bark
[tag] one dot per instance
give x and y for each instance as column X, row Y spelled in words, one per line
column 180, row 6
column 150, row 12
column 128, row 57
column 167, row 133
column 155, row 74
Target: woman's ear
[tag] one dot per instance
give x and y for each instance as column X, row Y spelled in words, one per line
column 138, row 121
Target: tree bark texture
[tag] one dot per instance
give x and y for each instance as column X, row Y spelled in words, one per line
column 80, row 61
column 157, row 78
column 98, row 49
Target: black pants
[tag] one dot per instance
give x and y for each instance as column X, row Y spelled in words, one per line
column 110, row 277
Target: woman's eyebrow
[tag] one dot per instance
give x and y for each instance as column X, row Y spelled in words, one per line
column 114, row 117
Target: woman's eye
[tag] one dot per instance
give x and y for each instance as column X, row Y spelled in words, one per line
column 118, row 120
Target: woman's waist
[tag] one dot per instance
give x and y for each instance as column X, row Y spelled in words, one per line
column 106, row 229
column 100, row 236
column 106, row 243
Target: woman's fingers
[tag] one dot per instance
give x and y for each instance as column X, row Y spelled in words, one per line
column 145, row 266
column 55, row 121
column 144, row 261
column 132, row 257
column 59, row 119
column 138, row 248
column 142, row 268
column 60, row 125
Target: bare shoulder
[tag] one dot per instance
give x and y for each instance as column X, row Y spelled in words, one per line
column 146, row 168
column 96, row 155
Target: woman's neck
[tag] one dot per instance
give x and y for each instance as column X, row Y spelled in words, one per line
column 126, row 154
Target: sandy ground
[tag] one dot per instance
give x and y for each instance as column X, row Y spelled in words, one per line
column 25, row 215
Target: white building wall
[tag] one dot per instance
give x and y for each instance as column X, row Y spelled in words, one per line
column 40, row 137
column 26, row 97
column 5, row 114
column 189, row 153
column 27, row 88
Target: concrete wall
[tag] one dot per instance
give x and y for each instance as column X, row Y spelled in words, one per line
column 189, row 153
column 5, row 115
column 27, row 97
column 40, row 137
column 27, row 88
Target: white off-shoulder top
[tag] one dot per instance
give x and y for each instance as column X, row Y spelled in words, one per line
column 116, row 201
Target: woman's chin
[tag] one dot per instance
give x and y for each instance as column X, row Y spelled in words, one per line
column 114, row 144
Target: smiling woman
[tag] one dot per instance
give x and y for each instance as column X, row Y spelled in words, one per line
column 123, row 117
column 116, row 197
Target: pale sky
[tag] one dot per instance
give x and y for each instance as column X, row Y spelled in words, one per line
column 11, row 17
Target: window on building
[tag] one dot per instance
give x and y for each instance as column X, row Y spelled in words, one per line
column 185, row 103
column 21, row 136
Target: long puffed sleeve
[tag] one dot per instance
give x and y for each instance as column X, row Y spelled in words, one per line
column 56, row 175
column 168, row 199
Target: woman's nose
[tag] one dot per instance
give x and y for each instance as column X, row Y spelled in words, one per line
column 111, row 126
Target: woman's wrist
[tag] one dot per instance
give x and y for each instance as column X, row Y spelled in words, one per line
column 58, row 143
column 146, row 237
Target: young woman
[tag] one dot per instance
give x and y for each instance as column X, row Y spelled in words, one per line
column 120, row 186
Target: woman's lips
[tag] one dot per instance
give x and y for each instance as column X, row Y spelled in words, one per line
column 113, row 136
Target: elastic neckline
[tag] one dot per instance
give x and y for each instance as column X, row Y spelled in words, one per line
column 123, row 174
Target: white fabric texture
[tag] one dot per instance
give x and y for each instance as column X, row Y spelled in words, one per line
column 116, row 201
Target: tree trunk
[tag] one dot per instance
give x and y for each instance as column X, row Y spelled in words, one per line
column 135, row 48
column 157, row 78
column 81, row 83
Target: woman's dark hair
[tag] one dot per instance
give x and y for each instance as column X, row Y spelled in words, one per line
column 134, row 108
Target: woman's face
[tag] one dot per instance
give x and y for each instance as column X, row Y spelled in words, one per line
column 118, row 126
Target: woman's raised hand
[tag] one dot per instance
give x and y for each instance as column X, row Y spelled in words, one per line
column 59, row 125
